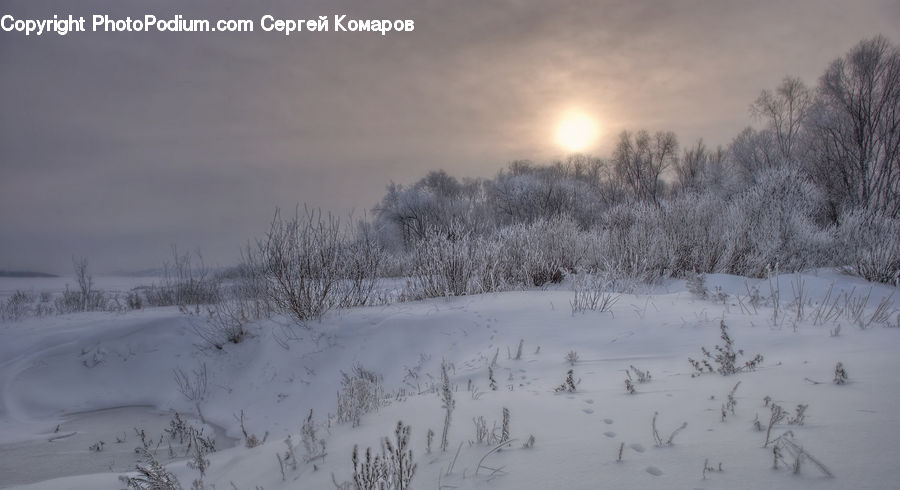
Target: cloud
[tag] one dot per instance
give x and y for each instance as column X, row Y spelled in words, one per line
column 118, row 144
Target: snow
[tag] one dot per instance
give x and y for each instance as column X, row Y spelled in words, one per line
column 54, row 367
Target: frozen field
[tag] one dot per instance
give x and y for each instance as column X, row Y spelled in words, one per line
column 61, row 375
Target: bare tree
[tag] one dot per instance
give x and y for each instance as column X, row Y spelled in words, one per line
column 785, row 111
column 640, row 161
column 85, row 280
column 856, row 126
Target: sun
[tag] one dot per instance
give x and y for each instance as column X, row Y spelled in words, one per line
column 576, row 132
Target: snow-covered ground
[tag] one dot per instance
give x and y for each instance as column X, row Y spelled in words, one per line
column 58, row 374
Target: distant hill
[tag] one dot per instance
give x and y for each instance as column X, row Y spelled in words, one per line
column 25, row 274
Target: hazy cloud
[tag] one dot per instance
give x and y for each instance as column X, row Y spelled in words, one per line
column 116, row 145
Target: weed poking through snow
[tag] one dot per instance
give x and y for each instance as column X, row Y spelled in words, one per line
column 568, row 385
column 725, row 358
column 658, row 440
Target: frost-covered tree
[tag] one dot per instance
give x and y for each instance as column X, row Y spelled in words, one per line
column 856, row 129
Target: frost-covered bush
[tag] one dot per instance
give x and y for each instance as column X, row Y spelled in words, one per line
column 361, row 392
column 568, row 385
column 871, row 245
column 393, row 469
column 151, row 475
column 725, row 357
column 224, row 325
column 17, row 306
column 774, row 221
column 362, row 264
column 249, row 287
column 592, row 293
column 542, row 251
column 302, row 260
column 187, row 282
column 631, row 245
column 454, row 263
column 694, row 226
column 312, row 264
column 73, row 301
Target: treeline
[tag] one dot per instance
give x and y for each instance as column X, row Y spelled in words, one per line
column 818, row 185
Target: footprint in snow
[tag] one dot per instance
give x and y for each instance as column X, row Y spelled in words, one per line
column 587, row 410
column 653, row 470
column 589, row 401
column 609, row 434
column 637, row 447
column 608, row 421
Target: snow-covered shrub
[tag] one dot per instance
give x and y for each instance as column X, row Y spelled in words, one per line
column 152, row 475
column 453, row 263
column 399, row 458
column 134, row 301
column 725, row 357
column 872, row 245
column 370, row 473
column 774, row 221
column 249, row 287
column 73, row 301
column 592, row 293
column 393, row 469
column 17, row 306
column 799, row 416
column 542, row 251
column 187, row 282
column 224, row 325
column 568, row 385
column 362, row 259
column 361, row 392
column 694, row 228
column 641, row 376
column 631, row 246
column 840, row 374
column 303, row 263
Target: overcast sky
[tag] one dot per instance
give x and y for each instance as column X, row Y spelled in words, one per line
column 115, row 146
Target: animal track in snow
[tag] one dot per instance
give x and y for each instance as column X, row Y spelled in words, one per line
column 609, row 434
column 587, row 410
column 608, row 421
column 637, row 447
column 653, row 470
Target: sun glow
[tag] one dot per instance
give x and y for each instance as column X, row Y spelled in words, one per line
column 576, row 132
